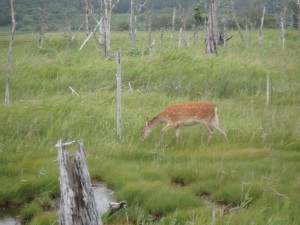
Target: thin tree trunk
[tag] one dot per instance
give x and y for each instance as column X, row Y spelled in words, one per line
column 237, row 23
column 260, row 37
column 161, row 36
column 87, row 11
column 268, row 90
column 119, row 97
column 173, row 24
column 149, row 27
column 135, row 8
column 10, row 51
column 282, row 25
column 298, row 3
column 132, row 23
column 180, row 38
column 42, row 21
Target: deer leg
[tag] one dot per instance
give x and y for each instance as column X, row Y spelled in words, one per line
column 210, row 131
column 166, row 128
column 177, row 131
column 216, row 125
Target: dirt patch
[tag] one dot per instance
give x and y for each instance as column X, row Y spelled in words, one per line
column 220, row 207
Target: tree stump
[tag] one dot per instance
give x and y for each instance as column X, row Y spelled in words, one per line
column 77, row 204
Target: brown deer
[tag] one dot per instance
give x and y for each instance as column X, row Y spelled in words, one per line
column 191, row 114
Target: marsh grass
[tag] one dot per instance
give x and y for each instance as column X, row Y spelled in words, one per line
column 162, row 180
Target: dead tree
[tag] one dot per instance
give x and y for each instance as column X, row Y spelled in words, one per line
column 135, row 8
column 161, row 36
column 42, row 23
column 298, row 4
column 282, row 24
column 77, row 203
column 87, row 13
column 236, row 22
column 119, row 97
column 10, row 51
column 182, row 27
column 173, row 24
column 149, row 25
column 260, row 38
column 105, row 23
column 211, row 42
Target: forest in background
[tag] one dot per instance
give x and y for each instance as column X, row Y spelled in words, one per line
column 61, row 14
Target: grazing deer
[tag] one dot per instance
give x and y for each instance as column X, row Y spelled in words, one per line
column 179, row 115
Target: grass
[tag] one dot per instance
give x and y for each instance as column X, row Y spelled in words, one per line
column 163, row 181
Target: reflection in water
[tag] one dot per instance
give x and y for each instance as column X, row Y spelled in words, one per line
column 103, row 197
column 8, row 218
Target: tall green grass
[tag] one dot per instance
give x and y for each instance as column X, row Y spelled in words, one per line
column 162, row 180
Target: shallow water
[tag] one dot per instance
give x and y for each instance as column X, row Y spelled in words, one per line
column 9, row 217
column 103, row 197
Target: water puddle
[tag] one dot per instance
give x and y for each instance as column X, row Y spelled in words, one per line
column 219, row 208
column 102, row 194
column 103, row 197
column 9, row 217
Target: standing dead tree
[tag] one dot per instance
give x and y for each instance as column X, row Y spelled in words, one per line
column 182, row 27
column 77, row 203
column 119, row 97
column 135, row 8
column 298, row 4
column 10, row 50
column 107, row 7
column 149, row 25
column 236, row 22
column 173, row 24
column 42, row 22
column 260, row 37
column 282, row 23
column 211, row 42
column 88, row 7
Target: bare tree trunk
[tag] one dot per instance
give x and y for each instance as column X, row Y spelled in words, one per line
column 194, row 33
column 161, row 36
column 180, row 38
column 237, row 23
column 43, row 18
column 268, row 90
column 298, row 3
column 87, row 12
column 77, row 203
column 211, row 42
column 119, row 97
column 135, row 8
column 282, row 25
column 149, row 27
column 89, row 36
column 260, row 37
column 223, row 34
column 132, row 22
column 173, row 24
column 107, row 7
column 183, row 25
column 10, row 51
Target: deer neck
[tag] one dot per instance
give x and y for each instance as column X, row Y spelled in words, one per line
column 154, row 122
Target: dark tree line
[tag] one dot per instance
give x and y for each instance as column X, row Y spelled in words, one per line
column 28, row 13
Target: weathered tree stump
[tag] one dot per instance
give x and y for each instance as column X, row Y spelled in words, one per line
column 77, row 204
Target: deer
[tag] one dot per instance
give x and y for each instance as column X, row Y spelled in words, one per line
column 178, row 115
